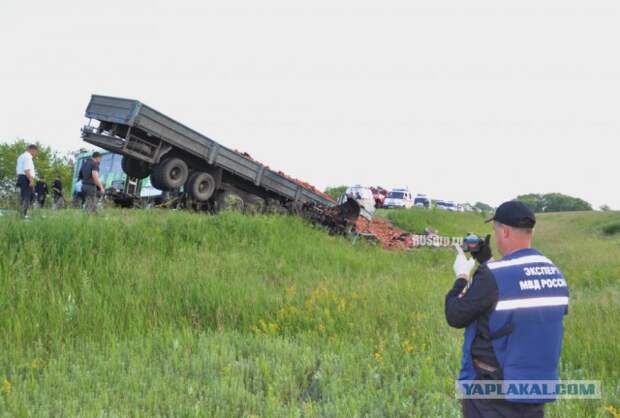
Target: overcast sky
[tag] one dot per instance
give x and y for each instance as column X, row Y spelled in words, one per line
column 468, row 101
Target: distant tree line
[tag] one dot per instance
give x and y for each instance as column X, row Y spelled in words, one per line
column 335, row 191
column 553, row 202
column 484, row 207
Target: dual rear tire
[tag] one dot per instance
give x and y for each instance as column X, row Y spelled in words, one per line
column 172, row 174
column 200, row 186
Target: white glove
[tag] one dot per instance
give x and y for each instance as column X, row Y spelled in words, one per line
column 462, row 265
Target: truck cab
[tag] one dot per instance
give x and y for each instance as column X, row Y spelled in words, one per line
column 113, row 177
column 363, row 196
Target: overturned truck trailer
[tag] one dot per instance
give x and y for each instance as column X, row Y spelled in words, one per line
column 179, row 158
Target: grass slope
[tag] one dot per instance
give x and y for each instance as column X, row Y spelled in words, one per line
column 177, row 314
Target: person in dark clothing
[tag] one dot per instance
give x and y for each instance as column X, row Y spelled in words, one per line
column 512, row 312
column 41, row 190
column 91, row 184
column 26, row 178
column 57, row 197
column 481, row 297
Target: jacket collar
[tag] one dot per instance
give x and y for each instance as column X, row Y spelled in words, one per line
column 521, row 253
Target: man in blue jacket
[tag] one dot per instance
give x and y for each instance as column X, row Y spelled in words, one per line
column 512, row 311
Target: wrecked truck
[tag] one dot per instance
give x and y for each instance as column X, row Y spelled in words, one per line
column 175, row 156
column 189, row 166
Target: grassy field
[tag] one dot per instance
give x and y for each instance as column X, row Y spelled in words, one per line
column 159, row 313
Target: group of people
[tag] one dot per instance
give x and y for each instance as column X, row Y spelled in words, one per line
column 41, row 190
column 35, row 189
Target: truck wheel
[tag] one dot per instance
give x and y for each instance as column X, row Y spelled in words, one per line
column 254, row 204
column 155, row 183
column 170, row 174
column 201, row 186
column 227, row 200
column 135, row 168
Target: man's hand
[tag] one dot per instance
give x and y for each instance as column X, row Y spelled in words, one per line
column 101, row 189
column 30, row 177
column 462, row 265
column 484, row 253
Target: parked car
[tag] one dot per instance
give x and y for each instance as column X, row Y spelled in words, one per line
column 451, row 206
column 362, row 195
column 422, row 201
column 467, row 207
column 448, row 205
column 398, row 198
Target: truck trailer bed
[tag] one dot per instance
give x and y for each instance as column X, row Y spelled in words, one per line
column 167, row 132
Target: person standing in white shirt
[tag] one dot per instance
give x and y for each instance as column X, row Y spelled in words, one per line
column 26, row 175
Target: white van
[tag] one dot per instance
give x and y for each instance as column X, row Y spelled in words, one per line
column 398, row 198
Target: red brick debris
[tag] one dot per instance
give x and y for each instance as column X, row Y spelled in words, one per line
column 293, row 179
column 307, row 186
column 391, row 237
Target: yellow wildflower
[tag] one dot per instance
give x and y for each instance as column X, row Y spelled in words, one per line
column 36, row 364
column 273, row 327
column 6, row 386
column 290, row 291
column 342, row 304
column 613, row 411
column 308, row 408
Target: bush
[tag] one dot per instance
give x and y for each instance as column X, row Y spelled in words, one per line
column 336, row 191
column 611, row 228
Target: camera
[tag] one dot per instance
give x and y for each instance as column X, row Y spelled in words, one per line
column 472, row 243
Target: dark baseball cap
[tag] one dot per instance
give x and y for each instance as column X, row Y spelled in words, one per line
column 514, row 213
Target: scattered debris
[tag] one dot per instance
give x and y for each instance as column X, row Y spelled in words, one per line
column 391, row 237
column 346, row 220
column 339, row 220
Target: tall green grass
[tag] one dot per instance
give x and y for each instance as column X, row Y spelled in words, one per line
column 444, row 222
column 160, row 313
